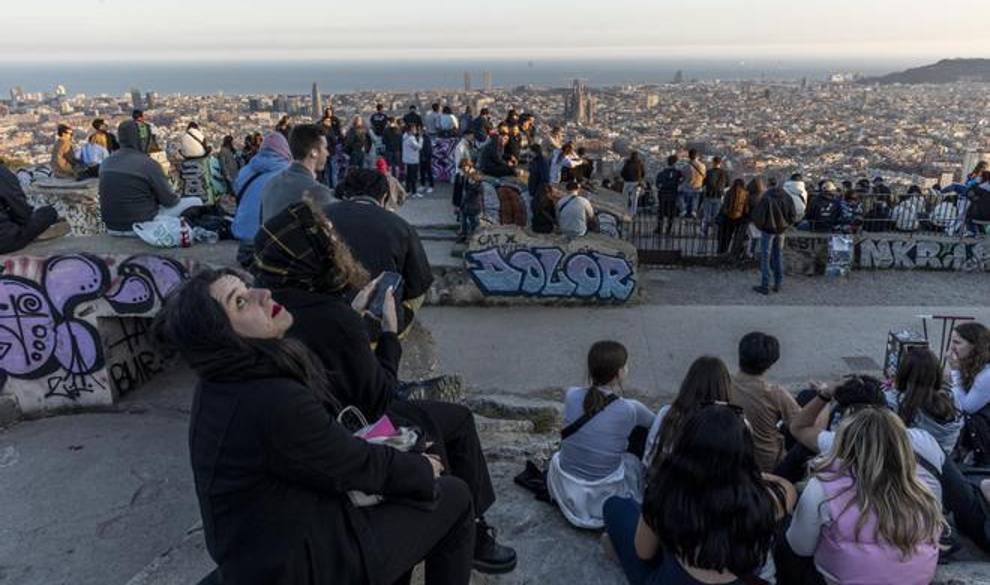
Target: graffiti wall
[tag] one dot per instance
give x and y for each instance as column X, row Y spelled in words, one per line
column 442, row 160
column 509, row 262
column 58, row 324
column 968, row 256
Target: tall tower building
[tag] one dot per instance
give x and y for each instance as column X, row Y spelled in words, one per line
column 579, row 106
column 317, row 104
column 488, row 80
column 136, row 102
column 467, row 81
column 150, row 100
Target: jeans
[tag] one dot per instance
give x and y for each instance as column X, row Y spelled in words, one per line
column 357, row 159
column 970, row 510
column 689, row 201
column 771, row 259
column 469, row 223
column 394, row 159
column 621, row 518
column 412, row 177
column 710, row 207
column 631, row 190
column 426, row 173
column 328, row 172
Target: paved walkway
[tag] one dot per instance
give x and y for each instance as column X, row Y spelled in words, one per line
column 521, row 349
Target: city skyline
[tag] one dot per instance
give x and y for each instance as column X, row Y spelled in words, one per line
column 226, row 31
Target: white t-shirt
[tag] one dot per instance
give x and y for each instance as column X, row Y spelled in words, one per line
column 654, row 434
column 924, row 445
column 573, row 214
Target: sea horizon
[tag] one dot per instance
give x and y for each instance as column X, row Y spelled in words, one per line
column 349, row 76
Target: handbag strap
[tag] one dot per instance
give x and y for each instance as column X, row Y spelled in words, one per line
column 585, row 418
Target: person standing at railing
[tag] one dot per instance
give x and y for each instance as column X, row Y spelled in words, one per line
column 773, row 216
column 716, row 181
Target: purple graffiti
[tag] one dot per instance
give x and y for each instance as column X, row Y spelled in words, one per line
column 442, row 161
column 548, row 273
column 27, row 326
column 40, row 334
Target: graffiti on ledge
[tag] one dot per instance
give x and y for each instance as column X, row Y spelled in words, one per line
column 545, row 272
column 925, row 254
column 40, row 334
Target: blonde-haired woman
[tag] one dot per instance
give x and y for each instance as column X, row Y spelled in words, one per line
column 864, row 515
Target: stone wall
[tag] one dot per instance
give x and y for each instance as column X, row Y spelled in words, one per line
column 73, row 327
column 806, row 252
column 76, row 201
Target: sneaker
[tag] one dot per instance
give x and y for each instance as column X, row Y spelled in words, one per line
column 762, row 290
column 429, row 190
column 56, row 230
column 490, row 557
column 776, row 288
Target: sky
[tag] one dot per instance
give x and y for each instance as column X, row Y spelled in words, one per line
column 239, row 30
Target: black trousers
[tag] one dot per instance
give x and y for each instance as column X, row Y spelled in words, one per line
column 14, row 237
column 412, row 177
column 726, row 231
column 458, row 445
column 426, row 173
column 970, row 510
column 794, row 466
column 443, row 537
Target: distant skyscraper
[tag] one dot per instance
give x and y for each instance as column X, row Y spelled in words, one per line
column 136, row 102
column 254, row 104
column 150, row 100
column 679, row 76
column 488, row 80
column 317, row 105
column 281, row 104
column 467, row 81
column 579, row 105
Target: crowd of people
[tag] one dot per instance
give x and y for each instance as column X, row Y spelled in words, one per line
column 738, row 481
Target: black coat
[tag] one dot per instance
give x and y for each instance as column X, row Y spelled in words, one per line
column 14, row 209
column 381, row 240
column 272, row 469
column 336, row 334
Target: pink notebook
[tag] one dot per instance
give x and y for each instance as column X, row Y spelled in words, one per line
column 383, row 428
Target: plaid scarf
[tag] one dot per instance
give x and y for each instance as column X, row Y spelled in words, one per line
column 294, row 250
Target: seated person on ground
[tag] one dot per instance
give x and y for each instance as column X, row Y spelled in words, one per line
column 708, row 514
column 969, row 368
column 979, row 203
column 596, row 458
column 706, row 381
column 307, row 266
column 271, row 159
column 491, row 161
column 920, row 400
column 133, row 188
column 267, row 452
column 865, row 515
column 381, row 240
column 575, row 215
column 308, row 146
column 766, row 405
column 19, row 223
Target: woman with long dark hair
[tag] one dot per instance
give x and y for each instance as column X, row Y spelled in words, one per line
column 708, row 514
column 865, row 516
column 921, row 402
column 273, row 469
column 735, row 210
column 969, row 366
column 707, row 381
column 310, row 270
column 594, row 462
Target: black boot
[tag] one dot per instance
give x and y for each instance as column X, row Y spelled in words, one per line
column 490, row 557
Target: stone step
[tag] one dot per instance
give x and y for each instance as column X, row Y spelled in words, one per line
column 437, row 234
column 502, row 425
column 544, row 414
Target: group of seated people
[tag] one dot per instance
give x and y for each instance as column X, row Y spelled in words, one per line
column 706, row 489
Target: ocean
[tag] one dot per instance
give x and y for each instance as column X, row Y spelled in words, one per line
column 296, row 77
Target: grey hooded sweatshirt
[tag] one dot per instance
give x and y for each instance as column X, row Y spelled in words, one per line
column 132, row 185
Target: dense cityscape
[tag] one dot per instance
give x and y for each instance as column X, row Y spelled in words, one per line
column 837, row 127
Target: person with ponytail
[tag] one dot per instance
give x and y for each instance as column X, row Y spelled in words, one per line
column 969, row 367
column 273, row 469
column 594, row 461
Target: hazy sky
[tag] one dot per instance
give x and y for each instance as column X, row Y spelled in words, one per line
column 135, row 30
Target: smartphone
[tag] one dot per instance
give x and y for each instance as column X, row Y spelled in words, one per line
column 377, row 303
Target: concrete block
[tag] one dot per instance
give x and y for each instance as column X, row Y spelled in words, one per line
column 10, row 411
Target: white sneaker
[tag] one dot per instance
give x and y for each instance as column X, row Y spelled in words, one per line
column 430, row 190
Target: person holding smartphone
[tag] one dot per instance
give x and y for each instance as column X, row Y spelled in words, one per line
column 310, row 269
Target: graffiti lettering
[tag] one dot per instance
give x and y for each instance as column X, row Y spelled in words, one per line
column 547, row 273
column 924, row 254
